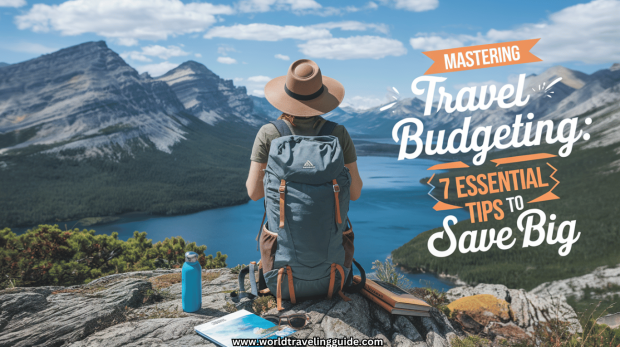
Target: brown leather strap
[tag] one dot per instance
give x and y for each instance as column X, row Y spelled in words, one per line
column 342, row 279
column 336, row 191
column 291, row 287
column 339, row 268
column 282, row 191
column 279, row 290
column 332, row 281
column 341, row 271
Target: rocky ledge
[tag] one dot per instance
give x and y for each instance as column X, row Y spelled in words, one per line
column 144, row 308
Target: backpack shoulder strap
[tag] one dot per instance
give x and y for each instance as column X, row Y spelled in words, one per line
column 327, row 128
column 283, row 129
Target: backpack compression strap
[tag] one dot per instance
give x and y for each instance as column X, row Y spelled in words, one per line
column 327, row 128
column 355, row 288
column 283, row 129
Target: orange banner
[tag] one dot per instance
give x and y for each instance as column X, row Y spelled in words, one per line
column 482, row 56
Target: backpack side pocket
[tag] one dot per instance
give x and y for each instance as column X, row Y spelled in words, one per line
column 268, row 245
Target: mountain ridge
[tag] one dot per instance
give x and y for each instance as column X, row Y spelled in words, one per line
column 84, row 134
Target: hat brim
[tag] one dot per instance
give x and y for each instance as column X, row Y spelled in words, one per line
column 333, row 93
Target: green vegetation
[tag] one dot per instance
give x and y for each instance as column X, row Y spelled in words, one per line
column 47, row 255
column 235, row 270
column 207, row 170
column 263, row 304
column 386, row 272
column 596, row 302
column 588, row 194
column 556, row 334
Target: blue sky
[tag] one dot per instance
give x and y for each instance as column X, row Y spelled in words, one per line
column 367, row 46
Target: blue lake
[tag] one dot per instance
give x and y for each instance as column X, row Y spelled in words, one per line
column 393, row 209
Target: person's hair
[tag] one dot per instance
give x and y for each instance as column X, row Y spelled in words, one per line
column 289, row 118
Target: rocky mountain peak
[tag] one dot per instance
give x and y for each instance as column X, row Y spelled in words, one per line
column 195, row 67
column 209, row 97
column 615, row 67
column 571, row 78
column 85, row 97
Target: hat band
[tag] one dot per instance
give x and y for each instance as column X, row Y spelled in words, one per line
column 303, row 97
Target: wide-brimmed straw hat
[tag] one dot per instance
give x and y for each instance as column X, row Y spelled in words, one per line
column 304, row 91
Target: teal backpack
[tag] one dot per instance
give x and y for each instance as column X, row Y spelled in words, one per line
column 306, row 243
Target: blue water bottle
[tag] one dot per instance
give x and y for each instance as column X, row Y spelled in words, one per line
column 192, row 283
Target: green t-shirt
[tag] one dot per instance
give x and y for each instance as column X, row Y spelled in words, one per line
column 304, row 126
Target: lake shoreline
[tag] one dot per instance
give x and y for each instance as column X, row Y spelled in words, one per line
column 452, row 279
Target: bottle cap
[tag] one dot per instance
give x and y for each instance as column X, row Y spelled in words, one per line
column 191, row 257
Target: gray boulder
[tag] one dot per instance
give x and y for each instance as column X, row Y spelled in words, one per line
column 529, row 309
column 602, row 277
column 45, row 317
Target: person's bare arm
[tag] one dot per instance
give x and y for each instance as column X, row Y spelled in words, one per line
column 254, row 184
column 356, row 180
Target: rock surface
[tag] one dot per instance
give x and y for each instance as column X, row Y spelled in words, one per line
column 483, row 308
column 117, row 311
column 209, row 97
column 144, row 309
column 603, row 277
column 528, row 309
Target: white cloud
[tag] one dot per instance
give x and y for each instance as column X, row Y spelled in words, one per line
column 125, row 21
column 263, row 79
column 29, row 47
column 272, row 32
column 269, row 5
column 282, row 57
column 198, row 55
column 12, row 3
column 254, row 84
column 155, row 51
column 226, row 60
column 355, row 47
column 585, row 32
column 362, row 102
column 156, row 70
column 416, row 5
column 223, row 49
column 135, row 55
column 266, row 32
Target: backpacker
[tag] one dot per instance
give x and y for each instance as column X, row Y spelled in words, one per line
column 306, row 243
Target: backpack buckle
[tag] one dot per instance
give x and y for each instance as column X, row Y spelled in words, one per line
column 336, row 188
column 282, row 189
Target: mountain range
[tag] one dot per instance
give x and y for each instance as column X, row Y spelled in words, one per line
column 82, row 133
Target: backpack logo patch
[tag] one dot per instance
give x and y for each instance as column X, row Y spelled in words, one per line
column 309, row 165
